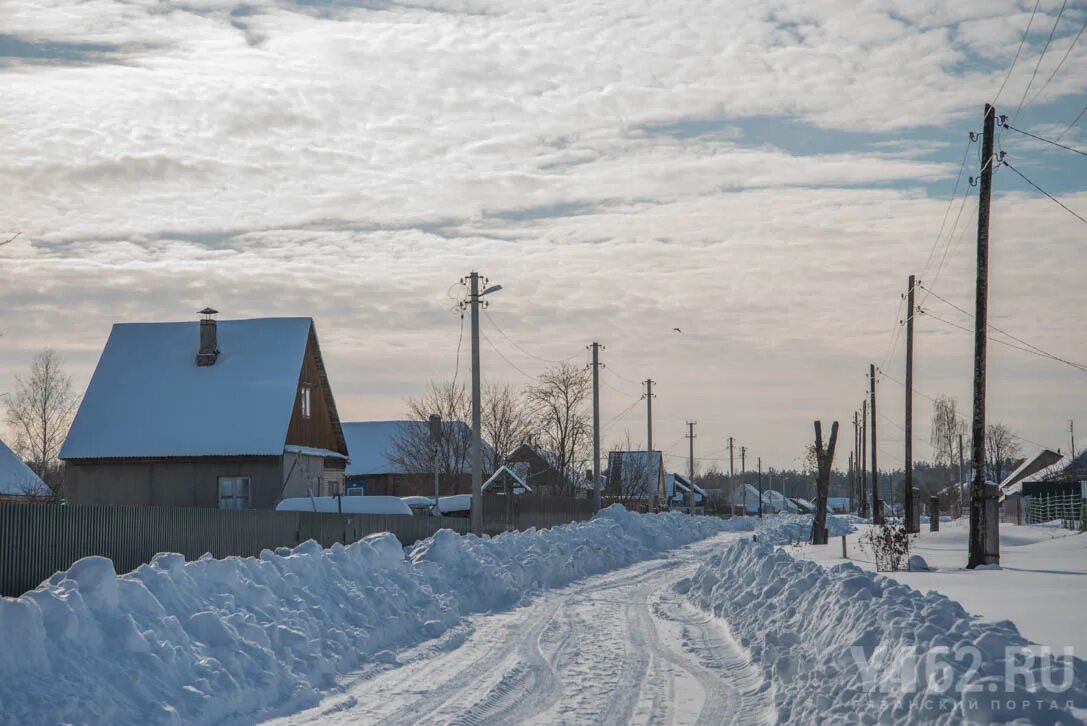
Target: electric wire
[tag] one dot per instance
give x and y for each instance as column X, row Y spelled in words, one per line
column 1061, row 204
column 1072, row 125
column 1017, row 52
column 1063, row 59
column 1039, row 62
column 1040, row 138
column 518, row 347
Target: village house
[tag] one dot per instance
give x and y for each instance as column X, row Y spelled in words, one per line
column 395, row 458
column 234, row 414
column 542, row 471
column 635, row 479
column 18, row 482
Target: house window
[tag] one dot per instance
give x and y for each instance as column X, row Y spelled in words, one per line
column 306, row 402
column 234, row 492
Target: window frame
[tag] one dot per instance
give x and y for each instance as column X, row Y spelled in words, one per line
column 306, row 400
column 233, row 497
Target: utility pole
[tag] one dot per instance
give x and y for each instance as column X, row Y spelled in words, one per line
column 962, row 479
column 864, row 459
column 596, row 424
column 690, row 436
column 984, row 546
column 877, row 514
column 760, row 487
column 1072, row 433
column 732, row 471
column 856, row 478
column 648, row 414
column 851, row 479
column 477, row 448
column 908, row 503
column 743, row 474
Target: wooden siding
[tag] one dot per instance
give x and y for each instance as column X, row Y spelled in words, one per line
column 321, row 429
column 37, row 540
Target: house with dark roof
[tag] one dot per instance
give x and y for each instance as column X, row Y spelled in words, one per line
column 395, row 458
column 546, row 475
column 234, row 414
column 635, row 479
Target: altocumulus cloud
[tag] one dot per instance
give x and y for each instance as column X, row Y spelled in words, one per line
column 610, row 163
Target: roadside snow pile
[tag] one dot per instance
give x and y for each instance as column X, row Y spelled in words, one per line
column 843, row 644
column 209, row 640
column 786, row 528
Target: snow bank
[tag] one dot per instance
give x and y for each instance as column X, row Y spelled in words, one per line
column 843, row 644
column 210, row 640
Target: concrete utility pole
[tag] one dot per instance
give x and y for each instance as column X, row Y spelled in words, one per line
column 691, row 436
column 595, row 347
column 743, row 474
column 435, row 430
column 732, row 473
column 760, row 487
column 648, row 414
column 864, row 460
column 907, row 496
column 984, row 530
column 877, row 513
column 477, row 448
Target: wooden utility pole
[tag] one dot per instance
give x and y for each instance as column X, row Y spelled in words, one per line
column 596, row 424
column 851, row 476
column 984, row 530
column 824, row 459
column 732, row 473
column 760, row 487
column 877, row 513
column 907, row 494
column 854, row 494
column 743, row 474
column 690, row 436
column 648, row 414
column 864, row 459
column 962, row 479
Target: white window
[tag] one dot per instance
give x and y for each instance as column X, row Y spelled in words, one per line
column 306, row 401
column 234, row 492
column 357, row 489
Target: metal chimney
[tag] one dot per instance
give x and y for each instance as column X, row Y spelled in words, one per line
column 209, row 338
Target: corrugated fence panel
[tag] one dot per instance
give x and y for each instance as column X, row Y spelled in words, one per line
column 37, row 540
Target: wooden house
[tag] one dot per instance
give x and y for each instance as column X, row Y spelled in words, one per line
column 234, row 414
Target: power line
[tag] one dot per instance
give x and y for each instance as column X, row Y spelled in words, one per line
column 1017, row 52
column 950, row 202
column 1039, row 63
column 624, row 394
column 1043, row 354
column 460, row 337
column 622, row 377
column 501, row 355
column 1043, row 191
column 1075, row 121
column 952, row 247
column 1063, row 59
column 518, row 347
column 1034, row 136
column 620, row 415
column 1038, row 350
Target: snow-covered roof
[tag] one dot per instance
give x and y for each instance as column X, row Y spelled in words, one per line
column 149, row 399
column 312, row 451
column 519, row 486
column 1013, row 482
column 372, row 444
column 417, row 501
column 455, row 503
column 16, row 478
column 685, row 486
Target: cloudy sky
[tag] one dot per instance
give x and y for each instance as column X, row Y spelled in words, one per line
column 762, row 174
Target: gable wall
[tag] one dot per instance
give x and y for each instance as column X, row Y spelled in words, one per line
column 318, row 430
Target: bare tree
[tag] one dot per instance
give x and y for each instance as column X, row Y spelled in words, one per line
column 632, row 482
column 559, row 403
column 411, row 447
column 1001, row 449
column 40, row 412
column 507, row 421
column 946, row 427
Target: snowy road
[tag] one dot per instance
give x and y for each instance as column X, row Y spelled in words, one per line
column 617, row 648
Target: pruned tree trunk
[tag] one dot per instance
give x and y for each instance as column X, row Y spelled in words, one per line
column 824, row 459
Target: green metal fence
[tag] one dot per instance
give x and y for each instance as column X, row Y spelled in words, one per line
column 38, row 540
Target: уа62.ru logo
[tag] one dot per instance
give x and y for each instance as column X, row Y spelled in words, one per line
column 959, row 669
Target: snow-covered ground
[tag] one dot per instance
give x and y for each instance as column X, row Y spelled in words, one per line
column 1041, row 585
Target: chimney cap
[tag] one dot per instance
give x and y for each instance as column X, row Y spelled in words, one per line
column 209, row 311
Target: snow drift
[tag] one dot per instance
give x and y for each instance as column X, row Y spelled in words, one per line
column 209, row 640
column 844, row 644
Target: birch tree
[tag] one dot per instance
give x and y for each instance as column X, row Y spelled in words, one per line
column 40, row 412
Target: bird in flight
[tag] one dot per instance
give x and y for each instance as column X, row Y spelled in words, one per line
column 677, row 330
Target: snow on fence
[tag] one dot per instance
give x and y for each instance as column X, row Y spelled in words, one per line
column 1066, row 507
column 38, row 540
